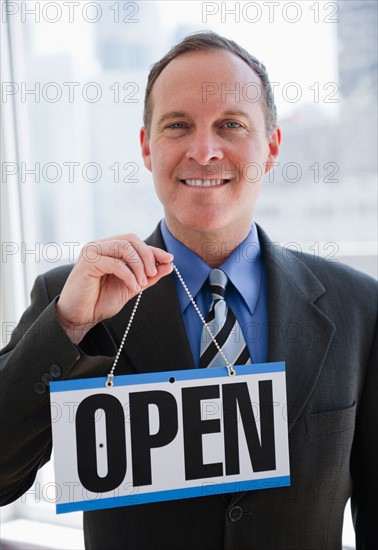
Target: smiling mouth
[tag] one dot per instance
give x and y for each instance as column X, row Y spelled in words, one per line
column 204, row 183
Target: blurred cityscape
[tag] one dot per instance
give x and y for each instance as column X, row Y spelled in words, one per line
column 323, row 191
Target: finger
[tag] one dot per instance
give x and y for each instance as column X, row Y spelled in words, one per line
column 138, row 251
column 146, row 253
column 109, row 266
column 161, row 256
column 134, row 252
column 144, row 250
column 123, row 252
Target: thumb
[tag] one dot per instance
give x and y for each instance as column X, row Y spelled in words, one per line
column 161, row 256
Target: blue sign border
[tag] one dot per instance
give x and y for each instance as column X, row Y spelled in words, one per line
column 173, row 494
column 146, row 378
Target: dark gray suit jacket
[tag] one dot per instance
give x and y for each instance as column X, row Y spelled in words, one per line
column 322, row 322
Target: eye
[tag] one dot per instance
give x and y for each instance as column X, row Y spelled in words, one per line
column 231, row 124
column 176, row 126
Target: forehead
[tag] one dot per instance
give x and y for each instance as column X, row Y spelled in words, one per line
column 203, row 80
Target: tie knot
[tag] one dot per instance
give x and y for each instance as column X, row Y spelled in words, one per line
column 218, row 281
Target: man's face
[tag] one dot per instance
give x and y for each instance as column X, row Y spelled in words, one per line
column 208, row 150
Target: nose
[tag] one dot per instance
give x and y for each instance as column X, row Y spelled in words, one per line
column 204, row 147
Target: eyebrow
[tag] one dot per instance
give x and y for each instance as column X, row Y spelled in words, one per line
column 182, row 114
column 236, row 113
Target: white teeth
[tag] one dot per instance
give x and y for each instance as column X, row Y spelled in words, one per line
column 204, row 183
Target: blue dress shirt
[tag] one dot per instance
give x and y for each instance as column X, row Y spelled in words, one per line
column 246, row 293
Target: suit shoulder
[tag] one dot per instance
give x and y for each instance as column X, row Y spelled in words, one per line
column 337, row 272
column 331, row 274
column 344, row 284
column 347, row 292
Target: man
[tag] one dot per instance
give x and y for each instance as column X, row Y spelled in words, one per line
column 198, row 141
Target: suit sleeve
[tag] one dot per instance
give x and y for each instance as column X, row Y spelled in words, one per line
column 39, row 347
column 364, row 462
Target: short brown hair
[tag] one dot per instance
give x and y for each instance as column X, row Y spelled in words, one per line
column 200, row 41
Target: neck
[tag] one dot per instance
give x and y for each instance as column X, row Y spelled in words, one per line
column 213, row 247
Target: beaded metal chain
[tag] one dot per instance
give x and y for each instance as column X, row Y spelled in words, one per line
column 230, row 368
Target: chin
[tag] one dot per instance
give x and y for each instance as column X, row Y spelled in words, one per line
column 205, row 225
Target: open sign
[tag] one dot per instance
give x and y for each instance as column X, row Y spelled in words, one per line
column 169, row 435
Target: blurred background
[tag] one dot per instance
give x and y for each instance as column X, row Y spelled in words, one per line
column 73, row 78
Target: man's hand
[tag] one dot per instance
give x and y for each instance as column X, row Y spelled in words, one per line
column 106, row 276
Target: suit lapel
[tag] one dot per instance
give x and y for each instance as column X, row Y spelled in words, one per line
column 299, row 333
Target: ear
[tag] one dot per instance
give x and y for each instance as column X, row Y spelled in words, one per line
column 145, row 146
column 274, row 149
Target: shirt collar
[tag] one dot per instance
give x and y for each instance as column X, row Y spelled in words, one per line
column 193, row 269
column 243, row 267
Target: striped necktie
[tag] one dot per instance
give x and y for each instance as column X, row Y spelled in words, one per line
column 224, row 327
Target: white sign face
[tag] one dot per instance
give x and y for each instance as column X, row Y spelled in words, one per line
column 169, row 435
